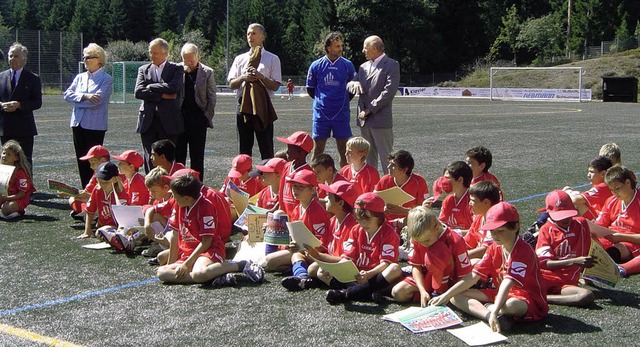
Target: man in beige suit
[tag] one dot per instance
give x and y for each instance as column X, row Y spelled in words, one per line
column 199, row 100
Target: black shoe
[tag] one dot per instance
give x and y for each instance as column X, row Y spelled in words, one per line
column 77, row 216
column 153, row 261
column 336, row 296
column 292, row 283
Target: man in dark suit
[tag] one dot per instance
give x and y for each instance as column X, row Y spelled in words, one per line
column 20, row 95
column 159, row 85
column 377, row 84
column 198, row 103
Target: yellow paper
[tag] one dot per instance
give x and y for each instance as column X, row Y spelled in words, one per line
column 240, row 202
column 254, row 199
column 605, row 269
column 598, row 230
column 394, row 196
column 301, row 235
column 255, row 221
column 344, row 272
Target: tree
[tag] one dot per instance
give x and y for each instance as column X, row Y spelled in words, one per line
column 543, row 36
column 508, row 35
column 115, row 17
column 165, row 16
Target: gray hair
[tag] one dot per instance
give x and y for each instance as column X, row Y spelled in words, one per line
column 94, row 50
column 189, row 48
column 160, row 42
column 260, row 27
column 23, row 49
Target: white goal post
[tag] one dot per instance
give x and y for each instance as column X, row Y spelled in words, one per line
column 556, row 87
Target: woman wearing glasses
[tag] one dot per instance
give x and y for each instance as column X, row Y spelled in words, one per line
column 89, row 93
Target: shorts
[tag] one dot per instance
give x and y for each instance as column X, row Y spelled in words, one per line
column 634, row 248
column 323, row 129
column 215, row 257
column 555, row 285
column 534, row 312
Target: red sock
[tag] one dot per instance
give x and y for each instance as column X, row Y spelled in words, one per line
column 632, row 266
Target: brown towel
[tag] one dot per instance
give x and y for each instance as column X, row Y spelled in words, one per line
column 256, row 104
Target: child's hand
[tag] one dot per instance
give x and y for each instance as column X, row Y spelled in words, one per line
column 584, row 261
column 441, row 300
column 395, row 209
column 363, row 277
column 615, row 238
column 181, row 271
column 424, row 298
column 428, row 202
column 293, row 247
column 312, row 252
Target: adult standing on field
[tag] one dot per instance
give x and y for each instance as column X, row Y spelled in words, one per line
column 89, row 94
column 326, row 84
column 198, row 103
column 20, row 95
column 159, row 85
column 255, row 75
column 377, row 84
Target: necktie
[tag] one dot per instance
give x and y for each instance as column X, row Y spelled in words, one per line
column 13, row 81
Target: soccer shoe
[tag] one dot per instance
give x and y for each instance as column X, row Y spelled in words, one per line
column 296, row 283
column 254, row 272
column 78, row 216
column 225, row 280
column 153, row 250
column 622, row 271
column 153, row 261
column 336, row 296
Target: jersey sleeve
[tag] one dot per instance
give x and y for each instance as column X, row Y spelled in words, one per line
column 544, row 250
column 350, row 245
column 390, row 244
column 311, row 76
column 461, row 257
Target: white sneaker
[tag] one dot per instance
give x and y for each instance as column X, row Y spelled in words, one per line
column 225, row 280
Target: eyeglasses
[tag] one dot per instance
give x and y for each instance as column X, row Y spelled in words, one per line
column 88, row 57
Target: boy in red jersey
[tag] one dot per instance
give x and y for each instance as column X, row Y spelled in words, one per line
column 163, row 154
column 456, row 212
column 439, row 258
column 482, row 196
column 197, row 251
column 299, row 145
column 270, row 175
column 325, row 169
column 373, row 246
column 239, row 174
column 513, row 266
column 589, row 203
column 102, row 197
column 563, row 252
column 480, row 159
column 357, row 170
column 130, row 162
column 96, row 155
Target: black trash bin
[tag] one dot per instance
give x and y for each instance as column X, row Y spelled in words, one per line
column 619, row 89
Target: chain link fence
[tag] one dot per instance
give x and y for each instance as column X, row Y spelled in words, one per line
column 53, row 55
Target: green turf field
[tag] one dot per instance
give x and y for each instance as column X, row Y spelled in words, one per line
column 52, row 287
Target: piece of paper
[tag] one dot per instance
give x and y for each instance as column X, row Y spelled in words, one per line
column 241, row 222
column 253, row 251
column 394, row 196
column 429, row 318
column 62, row 187
column 479, row 334
column 128, row 217
column 6, row 172
column 598, row 230
column 240, row 198
column 302, row 235
column 255, row 231
column 395, row 317
column 605, row 269
column 344, row 272
column 101, row 245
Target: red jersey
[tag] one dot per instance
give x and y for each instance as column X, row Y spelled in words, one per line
column 195, row 222
column 223, row 211
column 596, row 198
column 477, row 237
column 20, row 182
column 340, row 233
column 368, row 253
column 485, row 176
column 93, row 183
column 367, row 177
column 287, row 202
column 443, row 263
column 521, row 266
column 252, row 186
column 101, row 204
column 175, row 166
column 267, row 198
column 620, row 218
column 456, row 214
column 555, row 243
column 337, row 177
column 316, row 219
column 415, row 186
column 138, row 193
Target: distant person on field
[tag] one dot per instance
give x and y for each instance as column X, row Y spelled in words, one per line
column 89, row 93
column 290, row 87
column 20, row 95
column 590, row 203
column 159, row 85
column 20, row 185
column 327, row 85
column 357, row 169
column 198, row 103
column 563, row 252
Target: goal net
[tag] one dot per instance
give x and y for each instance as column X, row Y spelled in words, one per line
column 538, row 83
column 124, row 75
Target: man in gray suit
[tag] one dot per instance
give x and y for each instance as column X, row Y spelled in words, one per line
column 159, row 86
column 377, row 84
column 198, row 103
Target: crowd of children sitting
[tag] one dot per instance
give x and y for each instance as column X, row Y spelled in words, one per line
column 471, row 253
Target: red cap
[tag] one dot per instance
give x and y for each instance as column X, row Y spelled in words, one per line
column 130, row 156
column 560, row 206
column 182, row 172
column 499, row 215
column 97, row 151
column 371, row 202
column 239, row 165
column 300, row 139
column 307, row 177
column 273, row 165
column 347, row 191
column 441, row 186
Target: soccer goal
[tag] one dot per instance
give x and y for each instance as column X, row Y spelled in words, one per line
column 124, row 75
column 538, row 83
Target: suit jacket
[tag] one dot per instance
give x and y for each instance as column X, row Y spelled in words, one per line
column 205, row 90
column 379, row 86
column 29, row 93
column 153, row 105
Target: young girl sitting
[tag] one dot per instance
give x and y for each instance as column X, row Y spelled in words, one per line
column 20, row 186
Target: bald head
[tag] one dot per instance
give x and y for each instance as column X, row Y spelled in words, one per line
column 373, row 47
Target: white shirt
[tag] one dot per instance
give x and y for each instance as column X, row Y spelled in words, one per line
column 269, row 66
